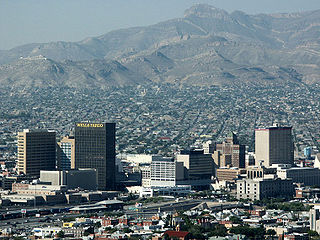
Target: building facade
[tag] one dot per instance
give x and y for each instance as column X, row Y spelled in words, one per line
column 315, row 218
column 146, row 176
column 36, row 151
column 165, row 172
column 229, row 174
column 197, row 168
column 305, row 175
column 95, row 148
column 274, row 145
column 232, row 153
column 260, row 188
column 85, row 179
column 66, row 154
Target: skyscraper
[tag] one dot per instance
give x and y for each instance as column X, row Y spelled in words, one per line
column 274, row 145
column 36, row 151
column 95, row 148
column 198, row 167
column 66, row 153
column 233, row 153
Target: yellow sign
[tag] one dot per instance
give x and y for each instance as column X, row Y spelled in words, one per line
column 68, row 225
column 94, row 125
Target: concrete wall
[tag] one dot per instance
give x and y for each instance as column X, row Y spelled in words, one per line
column 85, row 179
column 82, row 178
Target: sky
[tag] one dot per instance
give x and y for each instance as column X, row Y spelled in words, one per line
column 30, row 21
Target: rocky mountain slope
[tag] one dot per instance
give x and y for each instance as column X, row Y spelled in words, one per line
column 206, row 46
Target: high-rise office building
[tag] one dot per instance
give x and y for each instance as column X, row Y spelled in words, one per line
column 232, row 153
column 274, row 145
column 36, row 151
column 95, row 148
column 165, row 172
column 198, row 167
column 66, row 153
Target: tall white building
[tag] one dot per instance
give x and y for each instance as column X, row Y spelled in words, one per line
column 165, row 172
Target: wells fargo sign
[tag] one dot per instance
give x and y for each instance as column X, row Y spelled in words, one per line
column 94, row 125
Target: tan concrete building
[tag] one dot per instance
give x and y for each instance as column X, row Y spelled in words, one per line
column 274, row 145
column 37, row 189
column 66, row 153
column 229, row 174
column 36, row 151
column 232, row 153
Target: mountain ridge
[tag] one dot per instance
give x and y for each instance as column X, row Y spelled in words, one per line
column 207, row 46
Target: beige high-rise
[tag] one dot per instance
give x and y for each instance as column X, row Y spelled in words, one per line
column 36, row 151
column 232, row 152
column 273, row 145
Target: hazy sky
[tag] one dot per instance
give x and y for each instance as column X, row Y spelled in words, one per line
column 27, row 21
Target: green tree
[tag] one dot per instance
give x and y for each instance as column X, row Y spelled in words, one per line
column 60, row 234
column 235, row 220
column 255, row 233
column 97, row 224
column 313, row 234
column 271, row 232
column 219, row 230
column 127, row 230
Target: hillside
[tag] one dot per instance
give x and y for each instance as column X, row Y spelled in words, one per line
column 206, row 46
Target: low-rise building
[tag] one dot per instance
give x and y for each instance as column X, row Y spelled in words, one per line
column 46, row 231
column 315, row 218
column 37, row 189
column 306, row 175
column 259, row 188
column 307, row 193
column 23, row 199
column 229, row 174
column 85, row 179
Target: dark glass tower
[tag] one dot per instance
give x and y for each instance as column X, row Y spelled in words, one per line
column 95, row 148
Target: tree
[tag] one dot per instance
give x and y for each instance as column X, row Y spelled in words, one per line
column 271, row 232
column 127, row 230
column 166, row 237
column 88, row 231
column 97, row 224
column 313, row 234
column 134, row 238
column 219, row 230
column 258, row 233
column 60, row 234
column 235, row 220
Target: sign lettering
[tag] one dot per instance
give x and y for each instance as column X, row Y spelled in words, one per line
column 94, row 125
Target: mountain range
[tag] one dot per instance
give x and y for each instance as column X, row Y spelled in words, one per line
column 207, row 46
